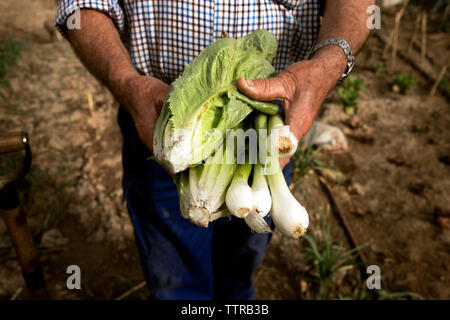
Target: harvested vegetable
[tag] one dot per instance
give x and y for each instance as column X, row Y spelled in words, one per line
column 262, row 202
column 202, row 190
column 203, row 113
column 257, row 223
column 287, row 213
column 205, row 99
column 282, row 139
column 239, row 198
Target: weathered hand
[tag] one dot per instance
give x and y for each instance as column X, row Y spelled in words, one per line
column 302, row 87
column 144, row 98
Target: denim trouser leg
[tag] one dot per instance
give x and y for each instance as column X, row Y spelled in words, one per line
column 181, row 260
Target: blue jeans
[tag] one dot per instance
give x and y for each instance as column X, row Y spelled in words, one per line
column 179, row 259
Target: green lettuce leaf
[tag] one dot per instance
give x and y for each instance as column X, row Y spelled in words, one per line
column 205, row 98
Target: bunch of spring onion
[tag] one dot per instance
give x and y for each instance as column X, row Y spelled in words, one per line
column 203, row 105
column 221, row 187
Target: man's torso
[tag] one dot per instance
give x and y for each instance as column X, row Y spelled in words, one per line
column 164, row 36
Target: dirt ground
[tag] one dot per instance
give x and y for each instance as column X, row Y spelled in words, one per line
column 395, row 194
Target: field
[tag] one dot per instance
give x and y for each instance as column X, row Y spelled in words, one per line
column 391, row 185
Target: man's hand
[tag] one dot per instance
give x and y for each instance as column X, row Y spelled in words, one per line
column 144, row 97
column 301, row 88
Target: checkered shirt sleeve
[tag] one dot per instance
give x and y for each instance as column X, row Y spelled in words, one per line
column 67, row 7
column 165, row 35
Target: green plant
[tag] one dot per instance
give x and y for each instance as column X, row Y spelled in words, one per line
column 444, row 86
column 402, row 83
column 306, row 160
column 349, row 93
column 384, row 295
column 377, row 67
column 441, row 8
column 364, row 294
column 9, row 53
column 438, row 4
column 328, row 256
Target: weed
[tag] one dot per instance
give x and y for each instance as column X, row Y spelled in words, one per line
column 328, row 256
column 377, row 67
column 349, row 94
column 9, row 53
column 306, row 159
column 444, row 86
column 365, row 294
column 402, row 83
column 384, row 295
column 438, row 4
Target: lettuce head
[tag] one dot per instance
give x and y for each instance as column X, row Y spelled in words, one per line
column 204, row 102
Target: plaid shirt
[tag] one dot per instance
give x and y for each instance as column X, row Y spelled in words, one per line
column 163, row 36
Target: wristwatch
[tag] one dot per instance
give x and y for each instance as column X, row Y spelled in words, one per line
column 347, row 50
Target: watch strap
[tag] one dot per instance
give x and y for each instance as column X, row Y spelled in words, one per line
column 344, row 46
